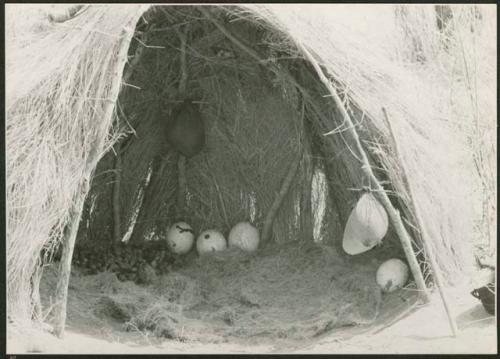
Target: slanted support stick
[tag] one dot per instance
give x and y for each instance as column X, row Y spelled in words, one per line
column 423, row 232
column 117, row 223
column 182, row 160
column 379, row 192
column 68, row 245
column 273, row 211
column 71, row 230
column 182, row 190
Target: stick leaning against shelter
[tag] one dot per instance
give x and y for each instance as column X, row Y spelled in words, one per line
column 423, row 232
column 119, row 148
column 380, row 193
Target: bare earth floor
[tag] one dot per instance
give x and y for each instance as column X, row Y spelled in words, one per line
column 422, row 331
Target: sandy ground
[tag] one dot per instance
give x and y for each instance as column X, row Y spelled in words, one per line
column 424, row 330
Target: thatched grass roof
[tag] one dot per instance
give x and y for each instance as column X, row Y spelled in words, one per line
column 59, row 78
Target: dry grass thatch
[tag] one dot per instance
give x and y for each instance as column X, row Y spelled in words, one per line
column 59, row 78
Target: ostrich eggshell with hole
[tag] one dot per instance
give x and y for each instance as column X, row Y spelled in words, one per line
column 366, row 226
column 392, row 275
column 180, row 238
column 210, row 241
column 244, row 236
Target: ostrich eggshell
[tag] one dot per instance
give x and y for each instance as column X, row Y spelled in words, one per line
column 180, row 237
column 366, row 226
column 392, row 275
column 244, row 236
column 210, row 241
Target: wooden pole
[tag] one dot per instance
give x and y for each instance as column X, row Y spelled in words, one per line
column 423, row 232
column 182, row 190
column 68, row 245
column 136, row 208
column 184, row 77
column 127, row 74
column 273, row 211
column 71, row 230
column 379, row 191
column 117, row 223
column 182, row 160
column 35, row 287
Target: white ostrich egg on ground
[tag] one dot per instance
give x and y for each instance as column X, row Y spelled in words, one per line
column 392, row 275
column 180, row 237
column 210, row 241
column 244, row 236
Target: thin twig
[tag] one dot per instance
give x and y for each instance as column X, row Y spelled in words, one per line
column 183, row 81
column 217, row 188
column 148, row 46
column 228, row 34
column 130, row 85
column 90, row 30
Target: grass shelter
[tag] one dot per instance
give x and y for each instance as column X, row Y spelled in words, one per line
column 302, row 114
